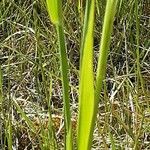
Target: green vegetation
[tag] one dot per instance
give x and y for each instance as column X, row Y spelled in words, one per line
column 74, row 74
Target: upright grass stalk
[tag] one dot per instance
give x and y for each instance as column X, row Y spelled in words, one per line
column 140, row 83
column 138, row 69
column 86, row 88
column 1, row 91
column 88, row 99
column 9, row 132
column 55, row 11
column 8, row 123
column 104, row 48
column 80, row 9
column 1, row 109
column 104, row 45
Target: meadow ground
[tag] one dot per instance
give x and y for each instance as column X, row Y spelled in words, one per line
column 30, row 76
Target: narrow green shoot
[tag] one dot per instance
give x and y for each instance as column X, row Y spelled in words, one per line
column 80, row 9
column 104, row 45
column 1, row 108
column 86, row 89
column 104, row 48
column 138, row 68
column 113, row 147
column 9, row 132
column 53, row 8
column 55, row 13
column 24, row 116
column 1, row 91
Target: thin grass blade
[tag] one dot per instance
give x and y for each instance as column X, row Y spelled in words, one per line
column 1, row 91
column 104, row 45
column 24, row 116
column 86, row 91
column 55, row 12
column 53, row 7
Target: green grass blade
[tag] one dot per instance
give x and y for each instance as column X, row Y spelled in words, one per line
column 84, row 31
column 53, row 7
column 55, row 13
column 24, row 116
column 65, row 84
column 1, row 108
column 86, row 97
column 104, row 47
column 9, row 133
column 104, row 44
column 113, row 146
column 1, row 91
